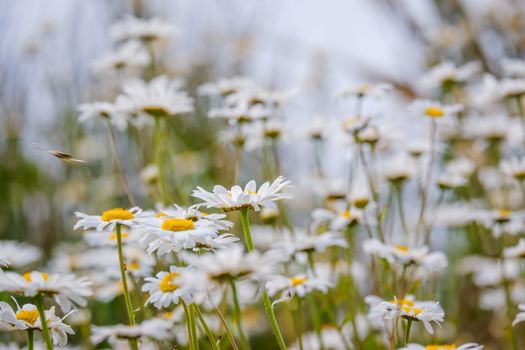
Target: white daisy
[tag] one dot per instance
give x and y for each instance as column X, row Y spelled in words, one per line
column 168, row 288
column 520, row 316
column 225, row 86
column 433, row 109
column 299, row 285
column 241, row 199
column 133, row 28
column 447, row 73
column 105, row 110
column 374, row 90
column 467, row 346
column 65, row 290
column 156, row 329
column 161, row 97
column 109, row 219
column 514, row 167
column 130, row 55
column 19, row 254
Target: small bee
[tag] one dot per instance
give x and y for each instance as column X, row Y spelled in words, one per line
column 66, row 157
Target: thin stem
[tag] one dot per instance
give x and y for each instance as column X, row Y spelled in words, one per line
column 226, row 327
column 399, row 191
column 237, row 316
column 127, row 298
column 266, row 298
column 118, row 164
column 209, row 333
column 407, row 332
column 30, row 339
column 193, row 328
column 298, row 323
column 246, row 229
column 187, row 313
column 39, row 302
column 158, row 159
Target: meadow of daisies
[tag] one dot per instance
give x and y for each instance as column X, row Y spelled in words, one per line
column 193, row 212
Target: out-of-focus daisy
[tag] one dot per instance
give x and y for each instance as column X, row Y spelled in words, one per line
column 501, row 221
column 225, row 86
column 19, row 254
column 513, row 67
column 104, row 110
column 467, row 346
column 168, row 288
column 514, row 167
column 511, row 88
column 192, row 213
column 447, row 73
column 336, row 221
column 65, row 290
column 409, row 309
column 109, row 219
column 363, row 90
column 130, row 55
column 233, row 264
column 303, row 242
column 520, row 316
column 399, row 168
column 518, row 251
column 156, row 329
column 249, row 198
column 160, row 97
column 433, row 109
column 405, row 256
column 299, row 285
column 147, row 30
column 241, row 113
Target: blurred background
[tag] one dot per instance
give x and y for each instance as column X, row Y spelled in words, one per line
column 47, row 49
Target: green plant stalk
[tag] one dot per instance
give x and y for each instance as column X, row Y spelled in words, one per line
column 407, row 332
column 131, row 317
column 237, row 316
column 158, row 160
column 30, row 339
column 39, row 302
column 226, row 328
column 298, row 323
column 209, row 333
column 191, row 341
column 193, row 325
column 266, row 297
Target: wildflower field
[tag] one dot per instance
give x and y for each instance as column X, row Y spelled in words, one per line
column 229, row 175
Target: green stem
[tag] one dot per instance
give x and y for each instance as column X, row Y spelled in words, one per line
column 298, row 323
column 407, row 332
column 237, row 316
column 246, row 229
column 39, row 302
column 30, row 338
column 226, row 327
column 118, row 164
column 131, row 317
column 158, row 159
column 191, row 342
column 193, row 328
column 266, row 298
column 209, row 333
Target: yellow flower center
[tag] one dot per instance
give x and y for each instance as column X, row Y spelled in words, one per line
column 113, row 236
column 160, row 214
column 441, row 347
column 345, row 214
column 135, row 265
column 27, row 276
column 434, row 112
column 403, row 302
column 167, row 284
column 117, row 214
column 30, row 316
column 402, row 249
column 412, row 310
column 297, row 280
column 175, row 224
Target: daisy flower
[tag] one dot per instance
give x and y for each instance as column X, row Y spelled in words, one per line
column 160, row 97
column 225, row 86
column 433, row 109
column 518, row 251
column 65, row 290
column 359, row 91
column 156, row 329
column 520, row 316
column 409, row 309
column 336, row 220
column 242, row 112
column 467, row 346
column 448, row 73
column 105, row 110
column 249, row 198
column 169, row 287
column 303, row 242
column 299, row 285
column 167, row 234
column 27, row 317
column 19, row 254
column 233, row 264
column 514, row 167
column 147, row 30
column 109, row 219
column 192, row 213
column 130, row 55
